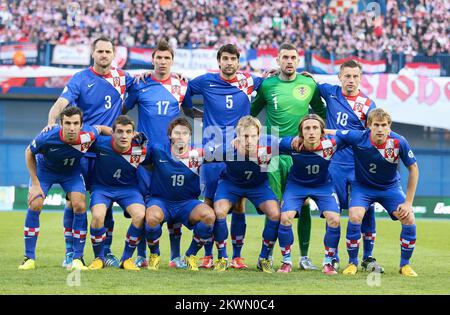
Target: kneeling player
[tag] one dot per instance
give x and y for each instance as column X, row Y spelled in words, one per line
column 309, row 177
column 245, row 175
column 59, row 162
column 115, row 180
column 377, row 152
column 174, row 188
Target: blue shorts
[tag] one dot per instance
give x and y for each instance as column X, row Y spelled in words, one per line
column 144, row 180
column 342, row 176
column 123, row 196
column 210, row 175
column 257, row 195
column 175, row 211
column 87, row 169
column 295, row 195
column 70, row 182
column 364, row 196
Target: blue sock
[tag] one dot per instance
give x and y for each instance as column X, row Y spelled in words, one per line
column 175, row 239
column 368, row 230
column 109, row 225
column 353, row 238
column 286, row 239
column 98, row 237
column 237, row 231
column 331, row 242
column 220, row 237
column 79, row 233
column 142, row 249
column 31, row 232
column 269, row 235
column 209, row 247
column 202, row 233
column 152, row 235
column 407, row 243
column 68, row 225
column 134, row 235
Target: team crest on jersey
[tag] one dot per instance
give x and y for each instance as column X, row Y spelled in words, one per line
column 176, row 89
column 326, row 149
column 136, row 156
column 264, row 157
column 360, row 107
column 116, row 81
column 84, row 142
column 390, row 150
column 193, row 160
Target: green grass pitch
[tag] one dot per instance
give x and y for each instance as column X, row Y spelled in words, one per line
column 430, row 260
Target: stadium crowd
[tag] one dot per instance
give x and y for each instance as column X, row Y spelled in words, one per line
column 246, row 23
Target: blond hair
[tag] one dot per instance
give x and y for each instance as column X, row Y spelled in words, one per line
column 248, row 121
column 378, row 114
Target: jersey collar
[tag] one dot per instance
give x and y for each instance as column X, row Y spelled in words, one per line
column 98, row 74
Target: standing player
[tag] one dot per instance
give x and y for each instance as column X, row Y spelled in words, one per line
column 348, row 109
column 226, row 98
column 159, row 100
column 60, row 151
column 377, row 154
column 245, row 175
column 309, row 177
column 174, row 188
column 286, row 98
column 99, row 91
column 115, row 180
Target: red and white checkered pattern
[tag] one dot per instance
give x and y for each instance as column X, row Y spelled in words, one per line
column 135, row 155
column 360, row 105
column 244, row 82
column 286, row 250
column 237, row 239
column 79, row 234
column 116, row 78
column 97, row 239
column 390, row 150
column 369, row 236
column 330, row 251
column 175, row 228
column 201, row 241
column 132, row 240
column 353, row 243
column 176, row 87
column 28, row 231
column 407, row 244
column 326, row 149
column 342, row 6
column 153, row 243
column 269, row 243
column 221, row 245
column 68, row 232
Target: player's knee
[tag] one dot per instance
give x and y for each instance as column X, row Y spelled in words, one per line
column 79, row 206
column 138, row 216
column 355, row 217
column 409, row 220
column 273, row 214
column 209, row 217
column 333, row 221
column 98, row 220
column 153, row 219
column 285, row 219
column 37, row 204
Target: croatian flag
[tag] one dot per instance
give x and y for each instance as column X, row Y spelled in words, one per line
column 423, row 69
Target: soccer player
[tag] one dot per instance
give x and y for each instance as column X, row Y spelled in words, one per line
column 115, row 180
column 245, row 175
column 159, row 100
column 348, row 109
column 377, row 153
column 309, row 177
column 226, row 98
column 58, row 161
column 99, row 91
column 286, row 98
column 174, row 188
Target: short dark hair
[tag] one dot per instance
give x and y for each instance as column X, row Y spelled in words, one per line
column 179, row 121
column 311, row 117
column 287, row 46
column 350, row 64
column 102, row 39
column 163, row 45
column 123, row 120
column 228, row 48
column 70, row 111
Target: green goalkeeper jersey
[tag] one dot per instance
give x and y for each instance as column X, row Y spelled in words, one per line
column 287, row 102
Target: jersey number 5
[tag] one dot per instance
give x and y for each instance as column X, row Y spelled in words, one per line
column 229, row 101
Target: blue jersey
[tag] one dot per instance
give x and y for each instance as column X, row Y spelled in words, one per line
column 345, row 113
column 173, row 178
column 158, row 103
column 377, row 165
column 100, row 97
column 114, row 169
column 225, row 102
column 310, row 168
column 53, row 154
